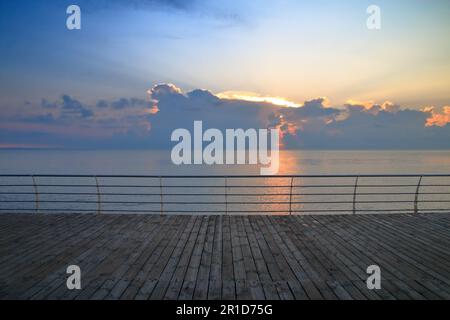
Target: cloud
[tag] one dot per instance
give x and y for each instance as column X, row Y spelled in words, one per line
column 123, row 103
column 139, row 4
column 374, row 107
column 177, row 109
column 311, row 109
column 315, row 124
column 358, row 126
column 71, row 107
column 69, row 122
column 102, row 104
column 148, row 123
column 67, row 107
column 222, row 14
column 438, row 119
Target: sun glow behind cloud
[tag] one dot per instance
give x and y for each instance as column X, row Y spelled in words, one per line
column 138, row 123
column 255, row 97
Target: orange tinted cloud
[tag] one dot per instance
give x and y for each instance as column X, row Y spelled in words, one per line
column 438, row 119
column 373, row 107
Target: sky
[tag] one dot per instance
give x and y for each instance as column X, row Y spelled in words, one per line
column 311, row 68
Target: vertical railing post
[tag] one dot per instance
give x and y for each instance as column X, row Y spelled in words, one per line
column 161, row 195
column 290, row 196
column 99, row 198
column 226, row 195
column 354, row 194
column 416, row 198
column 36, row 193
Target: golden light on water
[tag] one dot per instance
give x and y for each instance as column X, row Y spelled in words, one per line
column 254, row 97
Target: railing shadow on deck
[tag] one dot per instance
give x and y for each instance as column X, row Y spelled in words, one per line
column 276, row 195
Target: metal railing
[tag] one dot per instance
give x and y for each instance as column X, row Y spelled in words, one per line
column 282, row 195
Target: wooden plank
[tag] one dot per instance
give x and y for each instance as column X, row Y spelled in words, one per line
column 242, row 290
column 169, row 270
column 201, row 288
column 228, row 280
column 255, row 289
column 263, row 274
column 176, row 282
column 215, row 276
column 190, row 278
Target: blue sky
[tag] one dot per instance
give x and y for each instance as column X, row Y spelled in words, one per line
column 296, row 50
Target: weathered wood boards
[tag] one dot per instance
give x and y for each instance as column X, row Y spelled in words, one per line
column 224, row 257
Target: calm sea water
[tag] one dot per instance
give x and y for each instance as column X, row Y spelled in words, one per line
column 158, row 162
column 273, row 196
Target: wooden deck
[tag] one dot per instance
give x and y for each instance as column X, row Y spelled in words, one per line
column 223, row 257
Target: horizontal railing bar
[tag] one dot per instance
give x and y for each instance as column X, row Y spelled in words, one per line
column 222, row 194
column 222, row 187
column 226, row 176
column 69, row 185
column 221, row 202
column 222, row 211
column 70, row 193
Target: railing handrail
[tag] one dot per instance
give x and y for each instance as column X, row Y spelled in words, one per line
column 406, row 175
